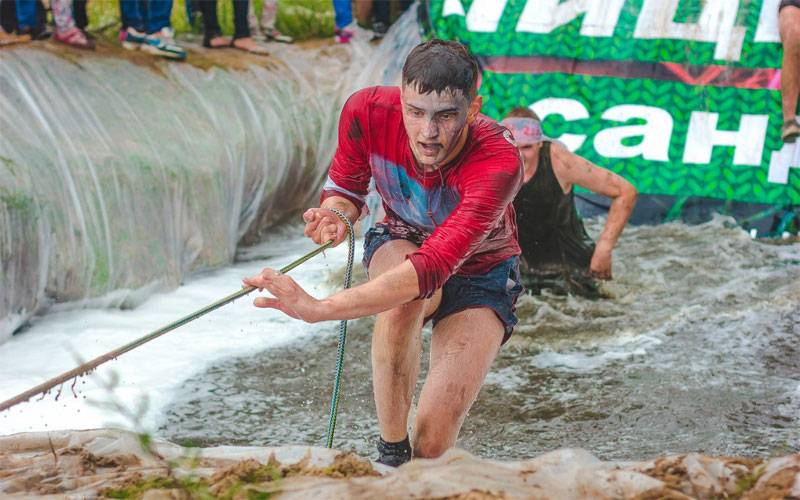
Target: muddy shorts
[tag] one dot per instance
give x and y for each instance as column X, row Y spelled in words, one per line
column 497, row 290
column 789, row 3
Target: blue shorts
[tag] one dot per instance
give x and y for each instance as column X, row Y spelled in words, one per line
column 497, row 290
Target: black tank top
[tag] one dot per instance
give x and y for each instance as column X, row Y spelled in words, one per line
column 551, row 233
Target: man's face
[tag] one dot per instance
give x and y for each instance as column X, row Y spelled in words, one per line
column 528, row 152
column 434, row 123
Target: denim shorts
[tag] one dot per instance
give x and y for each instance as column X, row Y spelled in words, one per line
column 497, row 289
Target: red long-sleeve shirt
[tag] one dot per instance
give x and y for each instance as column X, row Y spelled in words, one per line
column 465, row 206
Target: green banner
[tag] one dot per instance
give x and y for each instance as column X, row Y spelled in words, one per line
column 740, row 33
column 679, row 96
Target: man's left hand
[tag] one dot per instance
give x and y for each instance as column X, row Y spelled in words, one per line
column 290, row 298
column 600, row 266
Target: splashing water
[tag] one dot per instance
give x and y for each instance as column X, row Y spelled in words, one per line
column 696, row 350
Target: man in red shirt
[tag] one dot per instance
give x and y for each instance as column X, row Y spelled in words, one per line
column 447, row 250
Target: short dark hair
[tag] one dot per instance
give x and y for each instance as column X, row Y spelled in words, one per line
column 521, row 112
column 439, row 65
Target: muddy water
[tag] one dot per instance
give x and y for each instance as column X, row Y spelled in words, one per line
column 697, row 349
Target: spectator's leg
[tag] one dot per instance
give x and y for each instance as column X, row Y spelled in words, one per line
column 789, row 23
column 211, row 29
column 158, row 12
column 381, row 10
column 6, row 26
column 240, row 27
column 26, row 16
column 130, row 13
column 66, row 30
column 269, row 15
column 363, row 12
column 252, row 20
column 241, row 37
column 62, row 15
column 266, row 28
column 8, row 16
column 79, row 14
column 159, row 40
column 344, row 13
column 381, row 15
column 41, row 17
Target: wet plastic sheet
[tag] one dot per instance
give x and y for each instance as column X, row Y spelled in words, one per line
column 83, row 463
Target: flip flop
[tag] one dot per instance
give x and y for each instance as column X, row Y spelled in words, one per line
column 273, row 35
column 74, row 37
column 226, row 43
column 11, row 39
column 255, row 49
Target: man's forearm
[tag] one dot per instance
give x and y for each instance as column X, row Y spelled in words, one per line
column 391, row 289
column 618, row 214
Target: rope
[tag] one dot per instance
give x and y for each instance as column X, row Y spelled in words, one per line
column 91, row 365
column 348, row 275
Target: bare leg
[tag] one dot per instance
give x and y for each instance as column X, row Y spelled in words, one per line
column 396, row 348
column 363, row 11
column 463, row 347
column 789, row 23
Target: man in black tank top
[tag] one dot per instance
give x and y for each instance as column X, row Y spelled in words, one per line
column 556, row 251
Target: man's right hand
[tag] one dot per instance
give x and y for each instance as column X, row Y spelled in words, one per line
column 323, row 225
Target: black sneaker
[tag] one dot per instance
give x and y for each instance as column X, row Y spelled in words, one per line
column 394, row 454
column 379, row 29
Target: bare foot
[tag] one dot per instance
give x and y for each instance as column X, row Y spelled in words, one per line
column 219, row 41
column 10, row 38
column 249, row 45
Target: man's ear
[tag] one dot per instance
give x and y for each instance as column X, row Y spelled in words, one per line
column 474, row 109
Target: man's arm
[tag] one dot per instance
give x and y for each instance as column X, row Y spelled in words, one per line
column 391, row 289
column 571, row 169
column 348, row 177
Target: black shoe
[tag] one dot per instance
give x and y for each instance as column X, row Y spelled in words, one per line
column 38, row 33
column 394, row 454
column 379, row 29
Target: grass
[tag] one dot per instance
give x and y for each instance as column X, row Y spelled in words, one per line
column 15, row 200
column 245, row 485
column 301, row 19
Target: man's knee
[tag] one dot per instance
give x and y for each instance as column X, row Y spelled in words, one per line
column 428, row 444
column 396, row 322
column 435, row 431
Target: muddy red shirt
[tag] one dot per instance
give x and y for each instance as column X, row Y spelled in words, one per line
column 465, row 208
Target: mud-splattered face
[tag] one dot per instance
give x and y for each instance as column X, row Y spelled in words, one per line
column 530, row 154
column 436, row 123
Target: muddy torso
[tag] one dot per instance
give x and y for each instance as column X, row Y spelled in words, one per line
column 553, row 240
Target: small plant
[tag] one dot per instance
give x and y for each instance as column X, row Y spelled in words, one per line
column 747, row 481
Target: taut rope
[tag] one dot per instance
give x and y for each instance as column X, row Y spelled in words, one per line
column 348, row 275
column 91, row 365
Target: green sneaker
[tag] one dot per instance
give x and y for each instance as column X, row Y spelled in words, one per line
column 163, row 44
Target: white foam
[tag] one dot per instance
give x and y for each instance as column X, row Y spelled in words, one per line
column 155, row 370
